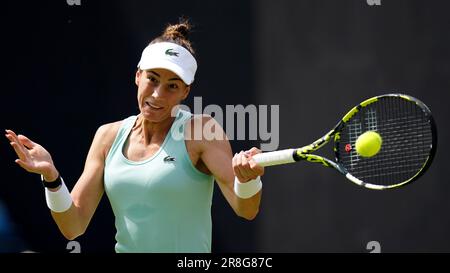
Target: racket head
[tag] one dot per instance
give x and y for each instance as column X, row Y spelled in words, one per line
column 409, row 141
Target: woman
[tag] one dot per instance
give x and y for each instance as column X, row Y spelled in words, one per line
column 160, row 186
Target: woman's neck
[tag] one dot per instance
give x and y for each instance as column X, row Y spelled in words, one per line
column 149, row 131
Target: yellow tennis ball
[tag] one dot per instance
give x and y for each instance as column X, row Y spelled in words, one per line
column 368, row 144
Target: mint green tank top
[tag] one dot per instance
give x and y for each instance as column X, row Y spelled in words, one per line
column 163, row 203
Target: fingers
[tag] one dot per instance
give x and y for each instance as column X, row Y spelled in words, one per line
column 11, row 133
column 26, row 141
column 23, row 164
column 12, row 136
column 245, row 168
column 25, row 159
column 21, row 138
column 236, row 170
column 250, row 153
column 20, row 150
column 239, row 170
column 253, row 151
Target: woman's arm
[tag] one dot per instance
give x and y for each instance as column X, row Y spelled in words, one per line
column 88, row 190
column 218, row 158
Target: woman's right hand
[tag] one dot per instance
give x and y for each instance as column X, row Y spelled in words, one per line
column 32, row 156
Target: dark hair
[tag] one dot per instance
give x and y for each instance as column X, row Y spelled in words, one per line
column 178, row 34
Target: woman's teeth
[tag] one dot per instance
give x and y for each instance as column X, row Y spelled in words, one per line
column 153, row 106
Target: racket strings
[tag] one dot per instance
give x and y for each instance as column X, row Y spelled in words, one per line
column 395, row 145
column 407, row 140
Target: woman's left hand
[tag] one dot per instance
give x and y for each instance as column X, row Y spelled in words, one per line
column 244, row 167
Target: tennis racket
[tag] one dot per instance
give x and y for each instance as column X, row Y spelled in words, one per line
column 409, row 141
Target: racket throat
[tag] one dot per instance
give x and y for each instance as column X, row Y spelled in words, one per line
column 296, row 156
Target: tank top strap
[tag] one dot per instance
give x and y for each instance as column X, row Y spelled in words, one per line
column 121, row 136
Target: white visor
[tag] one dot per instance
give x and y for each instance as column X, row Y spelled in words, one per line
column 169, row 56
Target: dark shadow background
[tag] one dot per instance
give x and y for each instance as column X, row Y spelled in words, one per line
column 69, row 69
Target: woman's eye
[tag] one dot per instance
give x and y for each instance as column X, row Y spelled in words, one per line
column 173, row 86
column 153, row 80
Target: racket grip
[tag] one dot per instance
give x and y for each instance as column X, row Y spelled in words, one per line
column 275, row 158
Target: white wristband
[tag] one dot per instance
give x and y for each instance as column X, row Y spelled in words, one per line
column 248, row 189
column 60, row 200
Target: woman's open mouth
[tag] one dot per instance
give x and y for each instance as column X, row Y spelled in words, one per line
column 152, row 106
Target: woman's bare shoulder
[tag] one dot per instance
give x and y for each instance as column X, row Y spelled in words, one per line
column 106, row 134
column 109, row 130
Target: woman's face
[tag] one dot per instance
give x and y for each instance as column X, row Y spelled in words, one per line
column 159, row 90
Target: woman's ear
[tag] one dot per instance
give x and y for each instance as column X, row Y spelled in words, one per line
column 186, row 92
column 138, row 76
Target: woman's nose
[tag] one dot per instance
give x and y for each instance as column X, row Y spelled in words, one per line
column 157, row 92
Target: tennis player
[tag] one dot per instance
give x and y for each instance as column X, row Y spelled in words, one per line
column 160, row 186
